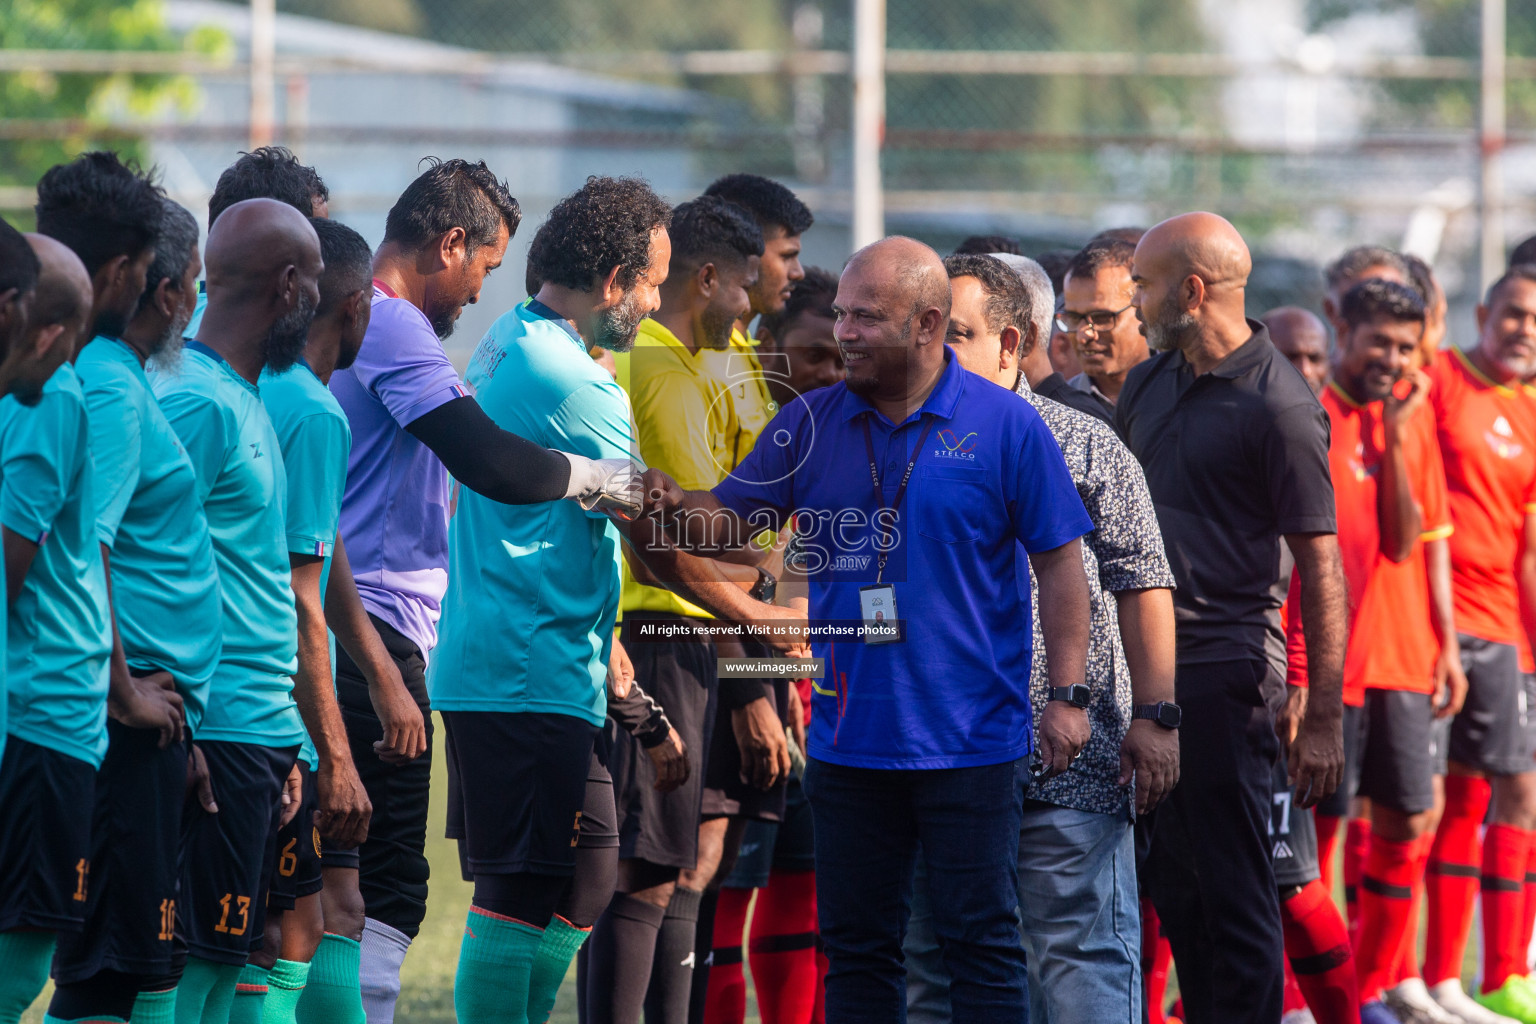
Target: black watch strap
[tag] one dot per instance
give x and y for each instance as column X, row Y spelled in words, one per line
column 1078, row 696
column 1165, row 713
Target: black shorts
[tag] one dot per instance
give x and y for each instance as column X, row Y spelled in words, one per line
column 1294, row 835
column 296, row 872
column 45, row 845
column 769, row 846
column 130, row 907
column 228, row 857
column 726, row 793
column 1397, row 758
column 596, row 828
column 663, row 828
column 516, row 785
column 1495, row 732
column 1337, row 804
column 392, row 862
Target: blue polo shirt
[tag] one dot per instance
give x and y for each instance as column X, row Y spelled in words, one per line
column 316, row 440
column 988, row 485
column 149, row 513
column 533, row 590
column 240, row 477
column 60, row 632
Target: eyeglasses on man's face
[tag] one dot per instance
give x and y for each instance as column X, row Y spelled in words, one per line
column 1101, row 320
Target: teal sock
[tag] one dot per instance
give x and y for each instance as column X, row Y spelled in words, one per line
column 550, row 964
column 24, row 959
column 205, row 992
column 491, row 986
column 155, row 1008
column 49, row 1018
column 250, row 995
column 285, row 984
column 333, row 995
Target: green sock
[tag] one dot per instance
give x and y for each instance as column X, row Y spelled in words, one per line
column 24, row 959
column 284, row 987
column 550, row 964
column 332, row 995
column 491, row 986
column 155, row 1008
column 250, row 995
column 205, row 992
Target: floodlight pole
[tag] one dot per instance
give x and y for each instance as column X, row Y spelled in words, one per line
column 263, row 82
column 1491, row 142
column 868, row 120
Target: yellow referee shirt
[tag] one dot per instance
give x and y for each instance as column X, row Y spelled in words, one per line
column 683, row 425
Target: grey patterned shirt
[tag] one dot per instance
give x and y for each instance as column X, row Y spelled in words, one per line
column 1124, row 552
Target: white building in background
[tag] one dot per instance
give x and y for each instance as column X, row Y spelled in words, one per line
column 541, row 128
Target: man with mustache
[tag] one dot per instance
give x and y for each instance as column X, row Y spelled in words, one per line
column 59, row 639
column 1486, row 421
column 414, row 423
column 263, row 266
column 150, row 521
column 1235, row 446
column 1095, row 303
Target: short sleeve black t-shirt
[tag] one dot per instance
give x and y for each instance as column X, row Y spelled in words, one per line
column 1234, row 459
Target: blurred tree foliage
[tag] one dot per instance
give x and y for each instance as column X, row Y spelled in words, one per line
column 83, row 101
column 1448, row 28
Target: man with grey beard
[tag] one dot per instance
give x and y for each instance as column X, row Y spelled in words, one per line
column 154, row 537
column 526, row 757
column 1235, row 449
column 264, row 267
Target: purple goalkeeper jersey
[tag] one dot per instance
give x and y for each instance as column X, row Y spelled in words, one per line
column 394, row 516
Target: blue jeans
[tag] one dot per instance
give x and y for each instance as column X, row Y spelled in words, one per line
column 1082, row 927
column 1082, row 920
column 869, row 825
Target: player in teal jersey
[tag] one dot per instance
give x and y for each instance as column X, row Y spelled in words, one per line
column 58, row 642
column 263, row 264
column 160, row 569
column 316, row 440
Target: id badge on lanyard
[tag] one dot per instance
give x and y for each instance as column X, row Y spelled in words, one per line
column 877, row 602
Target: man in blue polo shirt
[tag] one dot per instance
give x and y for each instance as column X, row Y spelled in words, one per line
column 264, row 265
column 917, row 483
column 522, row 716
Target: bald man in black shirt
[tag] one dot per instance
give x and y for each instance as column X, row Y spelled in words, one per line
column 1235, row 448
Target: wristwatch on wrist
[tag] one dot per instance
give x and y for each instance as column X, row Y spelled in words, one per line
column 767, row 586
column 1165, row 713
column 1078, row 696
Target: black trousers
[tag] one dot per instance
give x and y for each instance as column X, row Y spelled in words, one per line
column 1209, row 869
column 392, row 863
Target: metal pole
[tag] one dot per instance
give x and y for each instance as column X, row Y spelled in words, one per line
column 868, row 120
column 1491, row 139
column 263, row 83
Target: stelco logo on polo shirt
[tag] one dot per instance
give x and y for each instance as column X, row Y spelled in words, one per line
column 954, row 445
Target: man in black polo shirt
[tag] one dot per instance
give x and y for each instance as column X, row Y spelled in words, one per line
column 1235, row 448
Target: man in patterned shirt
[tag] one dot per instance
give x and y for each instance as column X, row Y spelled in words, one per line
column 1077, row 864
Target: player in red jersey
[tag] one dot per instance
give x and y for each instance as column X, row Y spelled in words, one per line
column 1389, row 491
column 1486, row 422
